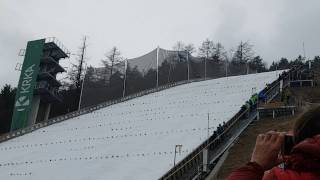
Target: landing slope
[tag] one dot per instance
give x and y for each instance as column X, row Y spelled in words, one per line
column 129, row 140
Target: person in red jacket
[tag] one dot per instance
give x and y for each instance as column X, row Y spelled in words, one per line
column 303, row 161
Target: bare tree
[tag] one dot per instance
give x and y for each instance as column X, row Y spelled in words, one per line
column 76, row 72
column 190, row 48
column 219, row 53
column 244, row 52
column 179, row 46
column 206, row 49
column 112, row 57
column 243, row 55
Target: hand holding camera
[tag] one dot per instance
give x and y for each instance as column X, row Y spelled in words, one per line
column 267, row 149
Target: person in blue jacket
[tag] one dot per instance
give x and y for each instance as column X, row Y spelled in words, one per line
column 262, row 97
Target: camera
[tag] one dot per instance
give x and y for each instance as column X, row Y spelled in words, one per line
column 287, row 145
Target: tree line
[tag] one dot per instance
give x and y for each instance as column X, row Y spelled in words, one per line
column 7, row 97
column 209, row 60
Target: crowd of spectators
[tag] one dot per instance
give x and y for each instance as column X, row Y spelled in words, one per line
column 273, row 158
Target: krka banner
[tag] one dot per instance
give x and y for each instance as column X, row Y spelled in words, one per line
column 27, row 82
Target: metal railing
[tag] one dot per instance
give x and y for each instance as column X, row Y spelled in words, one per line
column 58, row 43
column 191, row 161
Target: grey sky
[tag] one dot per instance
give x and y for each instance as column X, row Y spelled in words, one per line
column 277, row 28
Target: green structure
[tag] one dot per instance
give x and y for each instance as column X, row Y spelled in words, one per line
column 38, row 86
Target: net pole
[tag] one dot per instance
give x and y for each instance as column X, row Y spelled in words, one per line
column 82, row 85
column 188, row 66
column 125, row 77
column 205, row 68
column 226, row 68
column 208, row 127
column 157, row 66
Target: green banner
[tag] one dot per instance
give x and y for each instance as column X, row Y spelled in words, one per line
column 27, row 82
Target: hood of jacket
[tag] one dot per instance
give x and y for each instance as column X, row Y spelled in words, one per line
column 305, row 155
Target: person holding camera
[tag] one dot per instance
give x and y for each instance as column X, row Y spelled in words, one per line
column 284, row 156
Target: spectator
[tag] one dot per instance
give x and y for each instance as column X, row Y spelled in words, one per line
column 215, row 134
column 263, row 97
column 219, row 129
column 287, row 95
column 267, row 86
column 251, row 104
column 247, row 104
column 303, row 162
column 243, row 108
column 254, row 100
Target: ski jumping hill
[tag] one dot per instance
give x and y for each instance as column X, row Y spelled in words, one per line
column 134, row 139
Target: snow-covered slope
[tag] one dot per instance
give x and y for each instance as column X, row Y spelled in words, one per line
column 129, row 140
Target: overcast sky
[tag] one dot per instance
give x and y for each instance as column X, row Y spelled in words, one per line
column 276, row 28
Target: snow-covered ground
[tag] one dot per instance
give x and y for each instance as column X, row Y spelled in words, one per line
column 131, row 140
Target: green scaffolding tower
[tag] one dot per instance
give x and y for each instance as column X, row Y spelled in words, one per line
column 38, row 86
